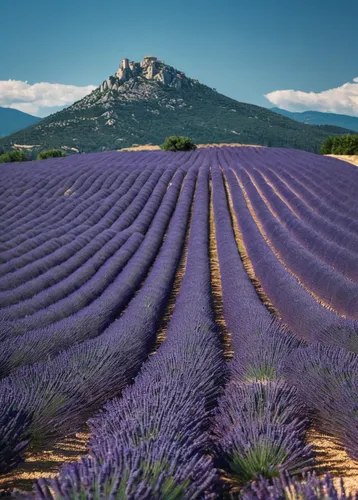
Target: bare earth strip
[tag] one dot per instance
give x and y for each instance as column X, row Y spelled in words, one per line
column 333, row 458
column 350, row 158
column 150, row 147
column 45, row 463
column 216, row 287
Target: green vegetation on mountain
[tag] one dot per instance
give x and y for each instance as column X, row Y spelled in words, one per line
column 340, row 145
column 144, row 103
column 51, row 153
column 11, row 156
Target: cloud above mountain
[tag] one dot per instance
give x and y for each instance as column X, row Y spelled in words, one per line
column 343, row 100
column 39, row 98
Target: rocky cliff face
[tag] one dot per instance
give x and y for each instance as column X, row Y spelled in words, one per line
column 149, row 69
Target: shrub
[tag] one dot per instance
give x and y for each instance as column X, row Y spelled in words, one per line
column 11, row 156
column 340, row 145
column 51, row 153
column 178, row 143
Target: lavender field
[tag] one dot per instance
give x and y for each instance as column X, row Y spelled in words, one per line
column 196, row 313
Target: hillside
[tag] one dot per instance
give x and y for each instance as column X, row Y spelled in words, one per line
column 145, row 102
column 12, row 120
column 318, row 118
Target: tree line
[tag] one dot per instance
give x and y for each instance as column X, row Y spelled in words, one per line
column 340, row 145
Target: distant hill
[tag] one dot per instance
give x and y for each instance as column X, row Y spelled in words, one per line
column 12, row 120
column 318, row 118
column 146, row 102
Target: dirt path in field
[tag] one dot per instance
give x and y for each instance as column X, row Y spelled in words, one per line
column 45, row 463
column 216, row 287
column 349, row 158
column 244, row 255
column 150, row 147
column 333, row 458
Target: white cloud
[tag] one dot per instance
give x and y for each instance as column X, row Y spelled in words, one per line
column 343, row 100
column 35, row 98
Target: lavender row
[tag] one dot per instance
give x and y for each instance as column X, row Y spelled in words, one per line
column 272, row 170
column 137, row 217
column 110, row 268
column 95, row 291
column 86, row 214
column 260, row 423
column 73, row 208
column 105, row 217
column 40, row 192
column 330, row 231
column 298, row 309
column 331, row 170
column 107, row 209
column 276, row 160
column 62, row 393
column 347, row 220
column 338, row 180
column 95, row 245
column 308, row 487
column 74, row 180
column 320, row 183
column 91, row 320
column 155, row 435
column 326, row 377
column 14, row 422
column 334, row 255
column 331, row 287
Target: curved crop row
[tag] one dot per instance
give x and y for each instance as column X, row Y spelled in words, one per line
column 335, row 291
column 72, row 211
column 337, row 257
column 347, row 221
column 325, row 172
column 260, row 423
column 298, row 309
column 159, row 424
column 74, row 183
column 108, row 214
column 330, row 231
column 93, row 285
column 92, row 214
column 327, row 379
column 35, row 241
column 96, row 244
column 94, row 292
column 138, row 215
column 63, row 392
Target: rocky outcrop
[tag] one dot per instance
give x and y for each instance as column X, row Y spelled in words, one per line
column 150, row 68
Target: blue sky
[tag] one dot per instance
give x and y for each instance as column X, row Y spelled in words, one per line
column 245, row 49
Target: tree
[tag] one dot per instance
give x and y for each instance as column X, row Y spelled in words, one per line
column 340, row 145
column 326, row 147
column 51, row 153
column 178, row 143
column 12, row 156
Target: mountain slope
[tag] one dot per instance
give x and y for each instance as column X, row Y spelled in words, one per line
column 146, row 102
column 319, row 118
column 12, row 120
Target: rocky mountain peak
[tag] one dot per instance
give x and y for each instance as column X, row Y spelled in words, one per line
column 151, row 68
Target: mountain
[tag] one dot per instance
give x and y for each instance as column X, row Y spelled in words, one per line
column 145, row 102
column 318, row 118
column 12, row 120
